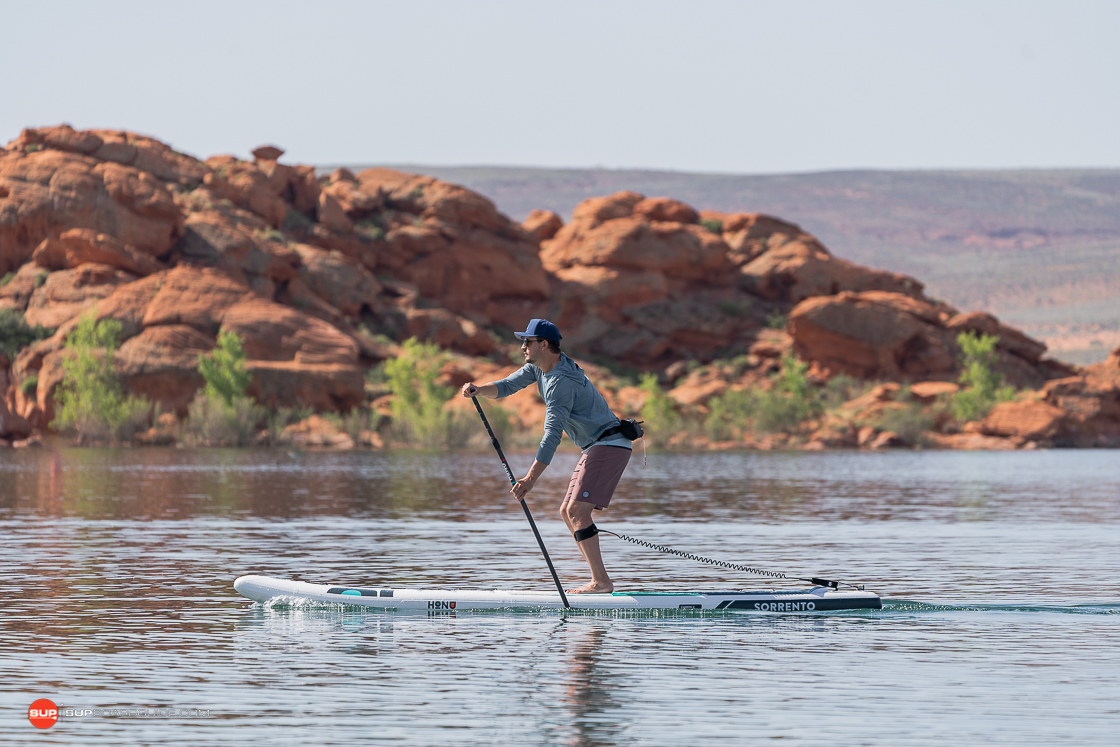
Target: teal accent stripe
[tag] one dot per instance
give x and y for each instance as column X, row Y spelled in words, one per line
column 656, row 594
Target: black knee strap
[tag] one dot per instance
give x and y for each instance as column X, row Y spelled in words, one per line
column 588, row 533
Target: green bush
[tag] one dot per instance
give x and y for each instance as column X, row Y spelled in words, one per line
column 222, row 415
column 661, row 420
column 270, row 234
column 843, row 388
column 8, row 276
column 712, row 224
column 739, row 308
column 29, row 385
column 223, row 369
column 790, row 402
column 295, row 221
column 981, row 388
column 730, row 415
column 90, row 398
column 776, row 320
column 910, row 422
column 360, row 419
column 418, row 409
column 40, row 278
column 370, row 229
column 213, row 422
column 275, row 421
column 15, row 334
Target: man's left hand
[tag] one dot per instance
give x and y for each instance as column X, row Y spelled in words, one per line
column 522, row 486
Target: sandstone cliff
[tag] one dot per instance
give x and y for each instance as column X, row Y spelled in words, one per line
column 320, row 275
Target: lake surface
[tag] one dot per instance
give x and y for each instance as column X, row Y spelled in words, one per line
column 1000, row 574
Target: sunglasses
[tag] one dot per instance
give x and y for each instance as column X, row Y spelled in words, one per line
column 527, row 342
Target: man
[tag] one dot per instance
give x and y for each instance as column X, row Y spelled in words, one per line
column 573, row 405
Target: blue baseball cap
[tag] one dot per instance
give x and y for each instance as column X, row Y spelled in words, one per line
column 542, row 328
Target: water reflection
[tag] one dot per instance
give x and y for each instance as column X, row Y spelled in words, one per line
column 152, row 484
column 590, row 686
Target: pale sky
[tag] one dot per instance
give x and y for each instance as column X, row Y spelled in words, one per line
column 739, row 87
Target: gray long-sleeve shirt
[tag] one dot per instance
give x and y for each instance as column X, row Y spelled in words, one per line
column 573, row 405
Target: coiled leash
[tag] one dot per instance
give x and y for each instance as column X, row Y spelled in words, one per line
column 592, row 530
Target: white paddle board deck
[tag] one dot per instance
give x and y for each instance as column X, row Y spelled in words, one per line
column 817, row 599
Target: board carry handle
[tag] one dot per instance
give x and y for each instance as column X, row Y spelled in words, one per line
column 524, row 507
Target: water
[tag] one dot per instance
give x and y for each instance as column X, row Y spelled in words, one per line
column 999, row 574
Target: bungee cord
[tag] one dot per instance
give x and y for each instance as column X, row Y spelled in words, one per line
column 733, row 566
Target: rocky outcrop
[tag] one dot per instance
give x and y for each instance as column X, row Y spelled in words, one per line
column 320, row 275
column 161, row 363
column 12, row 425
column 651, row 280
column 1090, row 402
column 67, row 293
column 542, row 225
column 170, row 318
column 1035, row 421
column 455, row 246
column 48, row 192
column 634, row 281
column 81, row 246
column 877, row 334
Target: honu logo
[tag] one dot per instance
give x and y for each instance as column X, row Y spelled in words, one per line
column 441, row 605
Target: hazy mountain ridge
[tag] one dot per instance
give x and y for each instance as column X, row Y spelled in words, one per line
column 1039, row 248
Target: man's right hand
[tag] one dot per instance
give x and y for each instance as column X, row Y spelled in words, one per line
column 489, row 391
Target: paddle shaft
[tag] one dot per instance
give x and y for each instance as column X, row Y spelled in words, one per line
column 524, row 507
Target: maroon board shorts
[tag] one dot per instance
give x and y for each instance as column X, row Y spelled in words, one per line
column 597, row 474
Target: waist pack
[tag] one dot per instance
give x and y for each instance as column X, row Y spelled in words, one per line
column 630, row 428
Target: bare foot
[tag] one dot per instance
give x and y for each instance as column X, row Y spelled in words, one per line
column 593, row 588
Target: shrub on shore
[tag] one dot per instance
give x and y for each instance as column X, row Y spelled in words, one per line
column 419, row 413
column 90, row 399
column 909, row 422
column 212, row 422
column 661, row 420
column 790, row 402
column 222, row 414
column 981, row 388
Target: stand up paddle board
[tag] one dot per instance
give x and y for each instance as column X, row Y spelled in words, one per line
column 817, row 599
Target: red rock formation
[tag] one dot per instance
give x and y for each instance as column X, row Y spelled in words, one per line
column 456, row 247
column 542, row 225
column 633, row 286
column 12, row 425
column 872, row 335
column 67, row 293
column 1028, row 420
column 877, row 334
column 309, row 270
column 1091, row 403
column 161, row 363
column 80, row 246
column 803, row 268
column 338, row 280
column 171, row 317
column 47, row 192
column 666, row 209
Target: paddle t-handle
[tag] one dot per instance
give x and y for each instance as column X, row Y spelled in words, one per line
column 524, row 506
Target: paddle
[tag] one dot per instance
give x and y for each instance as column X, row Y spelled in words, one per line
column 529, row 516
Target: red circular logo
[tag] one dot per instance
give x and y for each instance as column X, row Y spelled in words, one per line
column 42, row 714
